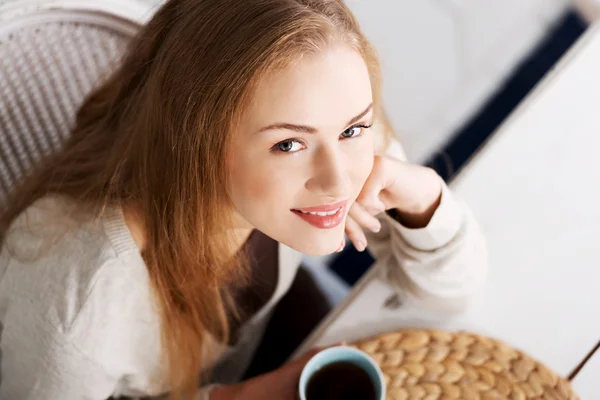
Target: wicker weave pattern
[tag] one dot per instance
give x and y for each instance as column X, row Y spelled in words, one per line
column 422, row 364
column 45, row 71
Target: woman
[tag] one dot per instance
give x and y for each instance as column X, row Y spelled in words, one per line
column 128, row 265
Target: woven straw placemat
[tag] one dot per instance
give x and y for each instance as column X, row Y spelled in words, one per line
column 430, row 364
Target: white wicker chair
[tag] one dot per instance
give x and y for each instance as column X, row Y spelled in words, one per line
column 52, row 52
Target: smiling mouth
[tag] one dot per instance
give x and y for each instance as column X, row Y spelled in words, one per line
column 328, row 209
column 320, row 213
column 323, row 217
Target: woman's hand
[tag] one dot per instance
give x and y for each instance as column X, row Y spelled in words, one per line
column 281, row 384
column 413, row 193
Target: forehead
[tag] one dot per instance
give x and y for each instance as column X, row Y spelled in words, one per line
column 324, row 89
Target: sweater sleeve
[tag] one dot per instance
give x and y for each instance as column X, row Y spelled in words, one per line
column 441, row 265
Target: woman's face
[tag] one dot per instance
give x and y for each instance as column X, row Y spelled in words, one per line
column 301, row 149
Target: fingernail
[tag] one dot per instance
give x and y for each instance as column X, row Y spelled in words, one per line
column 375, row 228
column 342, row 245
column 361, row 246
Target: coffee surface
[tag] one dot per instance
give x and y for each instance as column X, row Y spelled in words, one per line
column 340, row 381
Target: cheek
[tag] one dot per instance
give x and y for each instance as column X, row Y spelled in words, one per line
column 362, row 165
column 246, row 185
column 255, row 182
column 260, row 188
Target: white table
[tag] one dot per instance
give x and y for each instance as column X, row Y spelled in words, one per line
column 586, row 383
column 535, row 189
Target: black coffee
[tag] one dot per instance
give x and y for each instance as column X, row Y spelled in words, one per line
column 340, row 381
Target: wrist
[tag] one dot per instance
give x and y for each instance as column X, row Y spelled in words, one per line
column 419, row 212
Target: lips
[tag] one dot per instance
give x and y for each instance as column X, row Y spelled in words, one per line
column 323, row 217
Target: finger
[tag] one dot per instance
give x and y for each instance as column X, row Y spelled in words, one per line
column 370, row 199
column 342, row 245
column 375, row 184
column 356, row 234
column 364, row 218
column 373, row 203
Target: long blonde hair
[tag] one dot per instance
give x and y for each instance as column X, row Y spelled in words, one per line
column 155, row 136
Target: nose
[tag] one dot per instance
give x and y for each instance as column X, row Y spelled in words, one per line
column 329, row 177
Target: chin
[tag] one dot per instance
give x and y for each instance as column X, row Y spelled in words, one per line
column 318, row 252
column 309, row 240
column 315, row 247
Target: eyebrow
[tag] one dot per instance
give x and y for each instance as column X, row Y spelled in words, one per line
column 310, row 129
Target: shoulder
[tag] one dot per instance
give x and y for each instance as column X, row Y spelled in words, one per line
column 75, row 279
column 58, row 256
column 78, row 277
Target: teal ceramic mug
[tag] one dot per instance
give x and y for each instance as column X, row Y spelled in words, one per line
column 341, row 372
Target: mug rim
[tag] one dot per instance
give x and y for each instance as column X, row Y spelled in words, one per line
column 340, row 349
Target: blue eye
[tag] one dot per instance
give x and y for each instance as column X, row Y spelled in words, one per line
column 354, row 131
column 288, row 146
column 291, row 146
